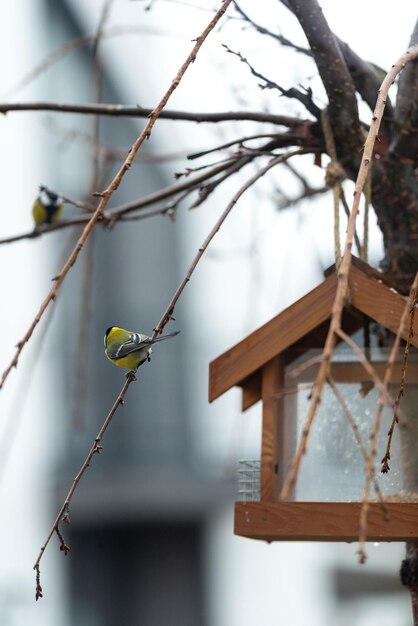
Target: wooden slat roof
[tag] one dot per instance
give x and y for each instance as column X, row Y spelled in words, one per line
column 369, row 293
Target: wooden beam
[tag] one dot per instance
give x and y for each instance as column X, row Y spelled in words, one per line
column 324, row 521
column 354, row 372
column 273, row 376
column 251, row 390
column 271, row 339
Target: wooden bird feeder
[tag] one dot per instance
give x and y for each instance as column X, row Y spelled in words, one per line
column 268, row 366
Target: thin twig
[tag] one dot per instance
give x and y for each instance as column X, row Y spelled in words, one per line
column 264, row 31
column 249, row 183
column 290, row 391
column 120, row 110
column 269, row 84
column 206, row 190
column 409, row 307
column 304, row 97
column 107, row 193
column 169, row 210
column 343, row 272
column 347, row 212
column 228, row 144
column 381, row 385
column 192, row 170
column 408, row 56
column 356, row 432
column 76, row 220
column 64, row 510
column 297, row 371
column 80, row 204
column 116, row 214
column 412, row 301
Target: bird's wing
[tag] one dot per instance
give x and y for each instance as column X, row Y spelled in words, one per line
column 135, row 343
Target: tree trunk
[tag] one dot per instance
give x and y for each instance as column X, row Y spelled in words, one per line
column 409, row 576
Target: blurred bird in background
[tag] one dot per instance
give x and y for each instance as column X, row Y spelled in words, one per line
column 47, row 208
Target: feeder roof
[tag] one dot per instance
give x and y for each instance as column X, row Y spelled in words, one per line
column 304, row 325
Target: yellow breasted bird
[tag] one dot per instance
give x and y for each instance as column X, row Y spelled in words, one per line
column 129, row 350
column 47, row 208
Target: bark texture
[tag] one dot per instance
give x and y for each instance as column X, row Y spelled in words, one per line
column 395, row 168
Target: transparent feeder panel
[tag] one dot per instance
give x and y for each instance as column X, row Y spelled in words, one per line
column 333, row 468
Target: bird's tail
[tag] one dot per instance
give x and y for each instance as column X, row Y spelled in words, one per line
column 166, row 336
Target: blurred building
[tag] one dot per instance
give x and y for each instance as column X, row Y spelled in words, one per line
column 138, row 537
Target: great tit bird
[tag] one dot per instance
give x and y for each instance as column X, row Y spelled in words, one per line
column 47, row 208
column 128, row 349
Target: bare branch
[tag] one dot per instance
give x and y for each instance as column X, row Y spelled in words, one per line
column 343, row 273
column 241, row 141
column 120, row 110
column 265, row 31
column 335, row 77
column 405, row 144
column 366, row 82
column 357, row 436
column 269, row 84
column 81, row 204
column 305, row 97
column 63, row 513
column 365, row 79
column 249, row 183
column 107, row 193
column 409, row 310
column 381, row 385
column 118, row 213
column 304, row 136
